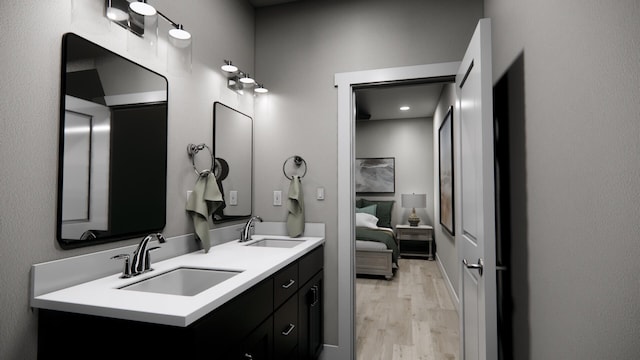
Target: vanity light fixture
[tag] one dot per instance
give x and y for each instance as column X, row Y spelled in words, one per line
column 238, row 80
column 246, row 79
column 142, row 8
column 178, row 32
column 115, row 14
column 229, row 67
column 140, row 18
column 260, row 89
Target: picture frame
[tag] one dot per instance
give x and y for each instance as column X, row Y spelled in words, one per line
column 375, row 175
column 446, row 173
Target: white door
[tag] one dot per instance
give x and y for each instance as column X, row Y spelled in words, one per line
column 476, row 228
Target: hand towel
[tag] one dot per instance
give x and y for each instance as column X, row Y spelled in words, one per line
column 295, row 205
column 204, row 200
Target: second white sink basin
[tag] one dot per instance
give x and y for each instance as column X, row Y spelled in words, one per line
column 278, row 243
column 182, row 281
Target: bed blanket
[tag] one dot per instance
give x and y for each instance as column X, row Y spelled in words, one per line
column 381, row 235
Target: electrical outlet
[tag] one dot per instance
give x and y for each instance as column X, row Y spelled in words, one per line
column 277, row 198
column 233, row 197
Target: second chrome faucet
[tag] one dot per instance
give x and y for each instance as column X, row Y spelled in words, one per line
column 245, row 232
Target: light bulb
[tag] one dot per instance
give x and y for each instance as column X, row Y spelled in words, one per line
column 179, row 34
column 229, row 67
column 261, row 89
column 116, row 14
column 143, row 9
column 246, row 79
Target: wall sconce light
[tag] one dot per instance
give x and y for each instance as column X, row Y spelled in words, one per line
column 239, row 80
column 260, row 89
column 246, row 79
column 229, row 67
column 140, row 19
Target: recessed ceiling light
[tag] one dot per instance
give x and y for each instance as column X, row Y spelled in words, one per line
column 404, row 108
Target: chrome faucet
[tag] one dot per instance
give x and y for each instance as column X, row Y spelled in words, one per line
column 141, row 261
column 245, row 233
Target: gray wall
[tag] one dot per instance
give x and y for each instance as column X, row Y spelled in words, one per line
column 574, row 75
column 410, row 142
column 446, row 251
column 299, row 48
column 29, row 108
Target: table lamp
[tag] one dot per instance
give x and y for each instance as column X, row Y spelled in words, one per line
column 414, row 201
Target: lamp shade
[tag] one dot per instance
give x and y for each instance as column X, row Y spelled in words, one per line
column 414, row 201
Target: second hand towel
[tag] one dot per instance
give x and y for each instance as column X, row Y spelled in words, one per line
column 204, row 200
column 295, row 205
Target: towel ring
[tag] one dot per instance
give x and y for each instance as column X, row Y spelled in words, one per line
column 192, row 150
column 297, row 161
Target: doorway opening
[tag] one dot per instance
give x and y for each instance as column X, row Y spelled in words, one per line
column 409, row 313
column 346, row 84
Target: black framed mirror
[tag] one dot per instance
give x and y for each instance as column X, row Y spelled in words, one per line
column 112, row 147
column 233, row 150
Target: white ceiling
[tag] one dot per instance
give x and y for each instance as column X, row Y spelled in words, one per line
column 384, row 102
column 262, row 3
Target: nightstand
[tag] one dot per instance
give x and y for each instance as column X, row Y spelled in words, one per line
column 415, row 240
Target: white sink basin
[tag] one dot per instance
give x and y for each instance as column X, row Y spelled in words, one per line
column 278, row 243
column 182, row 281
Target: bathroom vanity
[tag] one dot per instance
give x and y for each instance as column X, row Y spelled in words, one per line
column 270, row 309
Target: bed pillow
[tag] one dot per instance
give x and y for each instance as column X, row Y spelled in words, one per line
column 366, row 220
column 371, row 209
column 383, row 211
column 359, row 203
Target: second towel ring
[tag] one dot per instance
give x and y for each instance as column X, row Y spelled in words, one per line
column 192, row 150
column 297, row 161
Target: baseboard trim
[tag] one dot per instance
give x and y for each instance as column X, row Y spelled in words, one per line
column 447, row 281
column 330, row 352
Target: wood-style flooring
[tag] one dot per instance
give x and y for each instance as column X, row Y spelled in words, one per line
column 409, row 317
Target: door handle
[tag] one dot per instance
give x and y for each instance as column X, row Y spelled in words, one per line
column 479, row 266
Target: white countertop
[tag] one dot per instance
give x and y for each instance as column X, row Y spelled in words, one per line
column 103, row 296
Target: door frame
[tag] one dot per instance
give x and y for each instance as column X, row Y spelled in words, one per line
column 345, row 82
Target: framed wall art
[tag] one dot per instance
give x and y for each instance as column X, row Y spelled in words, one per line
column 445, row 136
column 375, row 175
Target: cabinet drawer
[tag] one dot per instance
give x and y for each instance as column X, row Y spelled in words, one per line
column 285, row 284
column 310, row 264
column 413, row 246
column 285, row 329
column 409, row 234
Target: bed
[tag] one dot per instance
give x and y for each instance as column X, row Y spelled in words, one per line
column 376, row 243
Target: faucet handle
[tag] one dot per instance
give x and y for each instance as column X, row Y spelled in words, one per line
column 126, row 270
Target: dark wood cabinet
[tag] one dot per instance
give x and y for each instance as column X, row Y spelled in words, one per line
column 310, row 304
column 258, row 345
column 285, row 330
column 279, row 318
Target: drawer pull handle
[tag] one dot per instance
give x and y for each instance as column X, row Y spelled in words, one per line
column 315, row 293
column 289, row 330
column 291, row 282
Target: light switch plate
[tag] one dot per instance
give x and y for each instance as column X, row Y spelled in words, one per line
column 320, row 193
column 277, row 198
column 233, row 197
column 189, row 194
